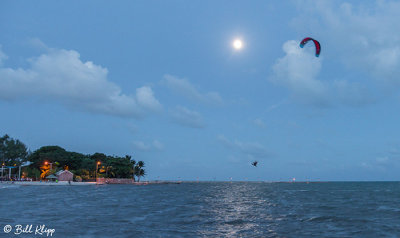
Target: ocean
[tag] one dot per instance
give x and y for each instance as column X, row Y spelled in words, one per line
column 203, row 209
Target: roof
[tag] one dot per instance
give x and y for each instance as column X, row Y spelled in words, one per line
column 26, row 163
column 52, row 176
column 62, row 171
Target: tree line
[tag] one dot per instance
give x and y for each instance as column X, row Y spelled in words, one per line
column 50, row 159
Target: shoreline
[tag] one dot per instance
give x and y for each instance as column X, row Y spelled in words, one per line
column 38, row 183
column 66, row 183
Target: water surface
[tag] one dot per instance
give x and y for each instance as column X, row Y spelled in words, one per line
column 207, row 209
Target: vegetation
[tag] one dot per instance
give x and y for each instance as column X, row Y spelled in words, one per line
column 49, row 159
column 12, row 152
column 138, row 169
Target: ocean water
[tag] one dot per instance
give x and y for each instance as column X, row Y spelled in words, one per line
column 206, row 209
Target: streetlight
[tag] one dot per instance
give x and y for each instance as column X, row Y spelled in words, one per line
column 19, row 171
column 97, row 167
column 51, row 164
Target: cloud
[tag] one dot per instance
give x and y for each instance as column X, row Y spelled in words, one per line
column 158, row 145
column 382, row 160
column 260, row 123
column 142, row 146
column 189, row 91
column 38, row 44
column 276, row 105
column 60, row 75
column 145, row 99
column 3, row 56
column 186, row 117
column 365, row 37
column 299, row 71
column 132, row 128
column 250, row 149
column 352, row 94
column 382, row 163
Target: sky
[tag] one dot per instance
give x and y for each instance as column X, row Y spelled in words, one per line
column 160, row 81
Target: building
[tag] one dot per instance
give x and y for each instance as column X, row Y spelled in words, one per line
column 52, row 177
column 64, row 175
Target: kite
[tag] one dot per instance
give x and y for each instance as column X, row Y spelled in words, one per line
column 316, row 43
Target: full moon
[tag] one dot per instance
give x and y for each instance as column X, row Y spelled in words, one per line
column 237, row 44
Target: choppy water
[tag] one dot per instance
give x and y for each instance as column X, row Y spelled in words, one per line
column 214, row 209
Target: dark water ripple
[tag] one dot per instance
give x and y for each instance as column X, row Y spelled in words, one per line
column 215, row 209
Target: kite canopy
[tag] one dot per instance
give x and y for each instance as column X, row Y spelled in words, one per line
column 316, row 43
column 254, row 163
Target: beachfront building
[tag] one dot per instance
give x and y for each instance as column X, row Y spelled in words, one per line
column 65, row 175
column 62, row 175
column 52, row 177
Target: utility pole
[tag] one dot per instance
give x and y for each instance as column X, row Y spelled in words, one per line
column 97, row 167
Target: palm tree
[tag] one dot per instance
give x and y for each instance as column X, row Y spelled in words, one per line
column 133, row 163
column 109, row 171
column 140, row 164
column 139, row 172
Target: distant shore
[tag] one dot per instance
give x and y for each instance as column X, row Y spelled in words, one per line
column 38, row 183
column 66, row 183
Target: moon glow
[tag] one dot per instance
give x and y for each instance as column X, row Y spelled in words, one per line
column 237, row 44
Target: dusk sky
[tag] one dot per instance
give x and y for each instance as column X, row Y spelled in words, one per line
column 161, row 81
